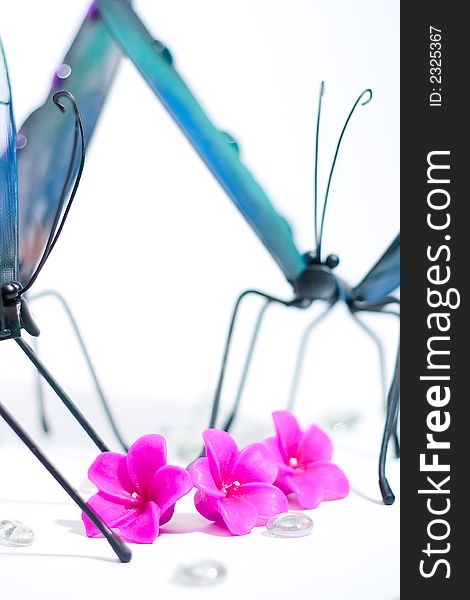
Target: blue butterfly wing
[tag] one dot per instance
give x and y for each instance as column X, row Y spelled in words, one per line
column 383, row 278
column 8, row 181
column 213, row 146
column 46, row 138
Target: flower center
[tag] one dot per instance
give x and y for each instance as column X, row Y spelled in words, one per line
column 293, row 462
column 231, row 487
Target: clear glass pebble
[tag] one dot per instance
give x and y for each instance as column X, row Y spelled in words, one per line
column 200, row 572
column 14, row 533
column 290, row 524
column 341, row 422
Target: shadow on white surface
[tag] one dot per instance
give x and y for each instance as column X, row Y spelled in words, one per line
column 181, row 523
column 34, row 502
column 366, row 496
column 75, row 527
column 194, row 523
column 40, row 555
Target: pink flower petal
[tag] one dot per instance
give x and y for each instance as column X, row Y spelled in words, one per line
column 110, row 475
column 221, row 451
column 269, row 500
column 320, row 481
column 314, row 445
column 254, row 464
column 167, row 515
column 308, row 492
column 202, row 477
column 272, row 445
column 169, row 484
column 288, row 433
column 239, row 515
column 143, row 529
column 334, row 482
column 284, row 483
column 145, row 457
column 112, row 513
column 207, row 506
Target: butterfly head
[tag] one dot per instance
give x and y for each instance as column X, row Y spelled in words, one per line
column 14, row 312
column 317, row 281
column 10, row 309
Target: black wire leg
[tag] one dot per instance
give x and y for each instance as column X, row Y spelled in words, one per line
column 299, row 363
column 396, row 437
column 86, row 355
column 390, row 423
column 381, row 353
column 62, row 395
column 122, row 551
column 381, row 308
column 40, row 393
column 223, row 367
column 246, row 367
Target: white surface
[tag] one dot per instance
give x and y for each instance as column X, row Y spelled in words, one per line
column 351, row 554
column 150, row 217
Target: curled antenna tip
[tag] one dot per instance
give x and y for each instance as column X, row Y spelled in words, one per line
column 367, row 91
column 64, row 94
column 63, row 206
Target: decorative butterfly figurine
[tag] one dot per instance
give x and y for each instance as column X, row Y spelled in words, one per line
column 44, row 145
column 15, row 282
column 311, row 275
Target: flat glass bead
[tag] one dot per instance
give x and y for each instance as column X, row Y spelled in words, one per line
column 64, row 71
column 21, row 141
column 14, row 533
column 200, row 572
column 290, row 524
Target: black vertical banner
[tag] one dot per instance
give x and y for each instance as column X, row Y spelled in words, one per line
column 435, row 257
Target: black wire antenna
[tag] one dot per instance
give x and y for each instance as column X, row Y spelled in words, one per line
column 319, row 230
column 62, row 213
column 317, row 141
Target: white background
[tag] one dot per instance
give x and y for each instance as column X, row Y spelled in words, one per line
column 154, row 253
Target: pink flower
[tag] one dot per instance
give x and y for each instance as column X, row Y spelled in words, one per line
column 303, row 460
column 137, row 492
column 234, row 486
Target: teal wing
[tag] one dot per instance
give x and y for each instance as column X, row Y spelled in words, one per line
column 8, row 181
column 45, row 140
column 214, row 147
column 383, row 278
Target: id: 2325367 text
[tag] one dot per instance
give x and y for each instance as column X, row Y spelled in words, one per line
column 435, row 66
